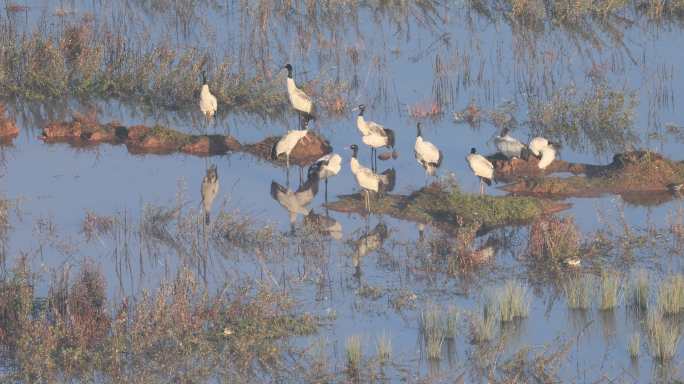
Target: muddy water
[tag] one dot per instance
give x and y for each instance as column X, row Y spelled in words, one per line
column 55, row 185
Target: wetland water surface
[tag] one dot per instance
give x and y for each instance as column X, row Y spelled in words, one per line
column 109, row 273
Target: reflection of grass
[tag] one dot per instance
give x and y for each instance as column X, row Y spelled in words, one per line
column 663, row 337
column 639, row 290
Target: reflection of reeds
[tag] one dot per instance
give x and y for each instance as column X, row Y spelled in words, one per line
column 663, row 337
column 639, row 290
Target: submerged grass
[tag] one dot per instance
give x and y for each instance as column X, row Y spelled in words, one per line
column 671, row 295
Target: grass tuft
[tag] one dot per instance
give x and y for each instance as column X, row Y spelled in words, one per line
column 354, row 355
column 671, row 295
column 634, row 346
column 639, row 290
column 663, row 337
column 578, row 291
column 610, row 284
column 383, row 347
column 513, row 301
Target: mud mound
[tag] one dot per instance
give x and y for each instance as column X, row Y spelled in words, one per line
column 308, row 149
column 450, row 208
column 629, row 174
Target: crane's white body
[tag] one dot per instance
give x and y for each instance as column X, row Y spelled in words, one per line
column 373, row 134
column 208, row 104
column 536, row 145
column 548, row 155
column 509, row 146
column 365, row 177
column 480, row 166
column 287, row 143
column 300, row 101
column 427, row 155
column 328, row 165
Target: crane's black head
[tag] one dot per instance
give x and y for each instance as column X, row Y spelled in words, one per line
column 289, row 70
column 419, row 130
column 204, row 77
column 473, row 150
column 505, row 131
column 362, row 108
column 355, row 149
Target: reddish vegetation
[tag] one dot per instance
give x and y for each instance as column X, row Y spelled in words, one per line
column 141, row 139
column 8, row 129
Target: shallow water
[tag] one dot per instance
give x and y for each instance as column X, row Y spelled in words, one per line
column 55, row 184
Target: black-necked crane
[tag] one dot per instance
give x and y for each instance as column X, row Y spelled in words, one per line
column 327, row 166
column 210, row 188
column 509, row 146
column 373, row 134
column 301, row 102
column 544, row 150
column 427, row 154
column 207, row 102
column 368, row 180
column 481, row 167
column 286, row 144
column 296, row 203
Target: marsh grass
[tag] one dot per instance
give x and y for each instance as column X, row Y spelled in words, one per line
column 354, row 354
column 610, row 283
column 639, row 290
column 578, row 291
column 634, row 346
column 383, row 347
column 483, row 326
column 663, row 337
column 451, row 320
column 432, row 331
column 512, row 301
column 671, row 295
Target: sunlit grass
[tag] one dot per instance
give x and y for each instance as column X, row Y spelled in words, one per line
column 513, row 301
column 639, row 290
column 610, row 283
column 671, row 295
column 663, row 337
column 578, row 291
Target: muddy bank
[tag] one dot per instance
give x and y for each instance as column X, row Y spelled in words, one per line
column 8, row 128
column 450, row 208
column 161, row 140
column 509, row 170
column 636, row 175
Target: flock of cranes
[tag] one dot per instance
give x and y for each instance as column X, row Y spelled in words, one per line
column 375, row 136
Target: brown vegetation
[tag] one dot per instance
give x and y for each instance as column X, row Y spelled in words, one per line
column 8, row 128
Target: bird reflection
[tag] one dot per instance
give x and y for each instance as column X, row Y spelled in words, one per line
column 296, row 202
column 210, row 188
column 324, row 225
column 369, row 242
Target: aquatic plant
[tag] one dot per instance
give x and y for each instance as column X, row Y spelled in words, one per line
column 354, row 354
column 383, row 347
column 554, row 238
column 610, row 284
column 512, row 300
column 634, row 346
column 671, row 295
column 578, row 291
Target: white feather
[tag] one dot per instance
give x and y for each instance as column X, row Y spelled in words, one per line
column 366, row 178
column 548, row 155
column 300, row 101
column 333, row 166
column 536, row 144
column 480, row 166
column 509, row 146
column 289, row 141
column 373, row 134
column 208, row 104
